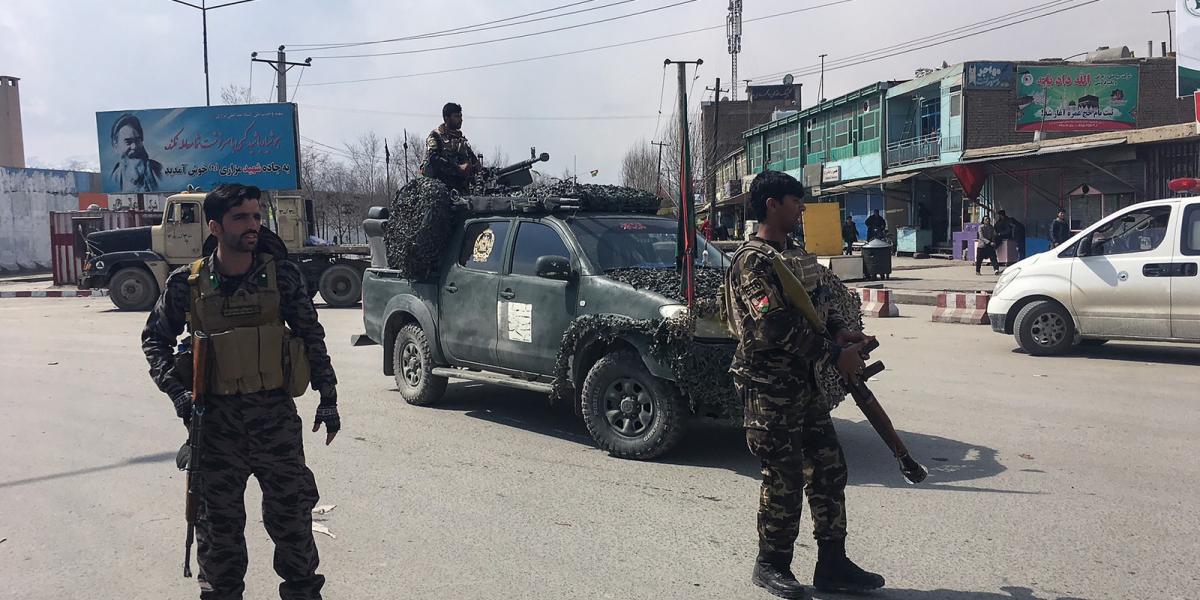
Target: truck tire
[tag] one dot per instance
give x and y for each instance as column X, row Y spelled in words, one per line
column 1044, row 328
column 629, row 412
column 412, row 363
column 133, row 288
column 341, row 286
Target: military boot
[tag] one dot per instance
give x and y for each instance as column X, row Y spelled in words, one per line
column 837, row 573
column 776, row 577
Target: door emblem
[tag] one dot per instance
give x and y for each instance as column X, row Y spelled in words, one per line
column 483, row 246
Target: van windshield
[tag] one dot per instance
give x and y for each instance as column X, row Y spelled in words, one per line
column 637, row 241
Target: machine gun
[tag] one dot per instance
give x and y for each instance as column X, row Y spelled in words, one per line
column 512, row 176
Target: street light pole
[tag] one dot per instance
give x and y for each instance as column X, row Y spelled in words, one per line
column 204, row 8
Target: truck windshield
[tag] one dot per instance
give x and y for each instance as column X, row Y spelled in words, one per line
column 637, row 241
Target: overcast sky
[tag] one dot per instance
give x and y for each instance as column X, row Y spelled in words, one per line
column 77, row 57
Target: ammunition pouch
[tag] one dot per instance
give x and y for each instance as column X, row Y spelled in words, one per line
column 253, row 359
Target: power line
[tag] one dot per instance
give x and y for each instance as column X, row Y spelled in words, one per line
column 485, row 26
column 661, row 90
column 868, row 56
column 511, row 37
column 475, row 117
column 574, row 52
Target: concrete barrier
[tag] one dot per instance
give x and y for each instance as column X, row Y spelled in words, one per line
column 54, row 294
column 959, row 307
column 878, row 303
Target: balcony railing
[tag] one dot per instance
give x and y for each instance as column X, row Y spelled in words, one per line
column 916, row 150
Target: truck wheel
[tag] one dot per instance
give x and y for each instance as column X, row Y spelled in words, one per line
column 413, row 365
column 341, row 286
column 1044, row 328
column 133, row 288
column 629, row 412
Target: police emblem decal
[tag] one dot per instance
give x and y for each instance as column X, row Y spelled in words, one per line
column 483, row 246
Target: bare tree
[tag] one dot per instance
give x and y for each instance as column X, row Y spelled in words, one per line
column 639, row 167
column 236, row 94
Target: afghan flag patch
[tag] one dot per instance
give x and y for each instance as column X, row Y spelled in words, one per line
column 763, row 304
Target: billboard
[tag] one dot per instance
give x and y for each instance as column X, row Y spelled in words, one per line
column 989, row 76
column 1076, row 97
column 166, row 150
column 772, row 92
column 1187, row 40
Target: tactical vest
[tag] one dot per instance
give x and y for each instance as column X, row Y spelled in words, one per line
column 251, row 349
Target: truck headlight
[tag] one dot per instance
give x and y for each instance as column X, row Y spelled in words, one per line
column 1005, row 279
column 671, row 311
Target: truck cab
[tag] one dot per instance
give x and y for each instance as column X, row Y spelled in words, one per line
column 134, row 263
column 545, row 302
column 1131, row 276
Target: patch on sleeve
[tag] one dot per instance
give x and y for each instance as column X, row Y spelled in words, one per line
column 763, row 304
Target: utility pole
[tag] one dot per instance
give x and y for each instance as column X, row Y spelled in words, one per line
column 1170, row 26
column 821, row 88
column 281, row 66
column 686, row 245
column 204, row 8
column 712, row 200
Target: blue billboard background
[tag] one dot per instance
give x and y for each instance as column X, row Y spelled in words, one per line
column 166, row 150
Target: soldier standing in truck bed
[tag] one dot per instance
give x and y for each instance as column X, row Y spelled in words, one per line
column 448, row 156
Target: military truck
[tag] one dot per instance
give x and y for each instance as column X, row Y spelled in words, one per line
column 550, row 297
column 134, row 263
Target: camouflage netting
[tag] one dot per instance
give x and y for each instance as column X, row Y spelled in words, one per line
column 420, row 223
column 593, row 197
column 701, row 370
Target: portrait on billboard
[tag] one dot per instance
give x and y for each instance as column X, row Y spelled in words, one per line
column 133, row 170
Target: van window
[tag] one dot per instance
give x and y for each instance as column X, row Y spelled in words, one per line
column 1138, row 231
column 483, row 246
column 1190, row 240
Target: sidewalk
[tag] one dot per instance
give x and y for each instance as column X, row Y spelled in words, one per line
column 919, row 281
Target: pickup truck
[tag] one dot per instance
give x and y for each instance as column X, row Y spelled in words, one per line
column 548, row 302
column 134, row 263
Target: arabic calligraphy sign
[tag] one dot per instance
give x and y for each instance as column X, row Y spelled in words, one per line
column 1076, row 98
column 166, row 150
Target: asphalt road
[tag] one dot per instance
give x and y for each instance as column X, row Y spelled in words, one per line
column 1069, row 477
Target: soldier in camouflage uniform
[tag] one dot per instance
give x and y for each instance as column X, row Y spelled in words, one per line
column 247, row 290
column 448, row 156
column 788, row 426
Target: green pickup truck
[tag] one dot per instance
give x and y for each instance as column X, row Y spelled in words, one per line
column 565, row 302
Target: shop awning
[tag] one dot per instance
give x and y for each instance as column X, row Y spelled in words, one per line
column 859, row 184
column 1034, row 149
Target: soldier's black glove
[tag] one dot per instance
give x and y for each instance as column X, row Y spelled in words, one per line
column 183, row 406
column 327, row 413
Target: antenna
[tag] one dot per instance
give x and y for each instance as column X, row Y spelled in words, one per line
column 733, row 33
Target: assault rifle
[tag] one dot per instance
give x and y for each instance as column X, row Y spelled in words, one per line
column 200, row 350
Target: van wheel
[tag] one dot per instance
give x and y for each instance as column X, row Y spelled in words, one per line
column 629, row 412
column 341, row 286
column 412, row 363
column 1044, row 328
column 133, row 288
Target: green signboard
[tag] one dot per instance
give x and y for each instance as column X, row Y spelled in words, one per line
column 1187, row 41
column 1076, row 98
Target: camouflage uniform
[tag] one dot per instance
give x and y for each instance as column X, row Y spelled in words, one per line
column 249, row 434
column 788, row 426
column 445, row 149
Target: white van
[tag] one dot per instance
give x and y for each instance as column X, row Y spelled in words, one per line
column 1131, row 276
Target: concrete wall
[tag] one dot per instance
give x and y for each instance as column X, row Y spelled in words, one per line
column 991, row 115
column 27, row 196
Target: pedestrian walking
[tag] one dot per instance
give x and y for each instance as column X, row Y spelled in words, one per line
column 1060, row 229
column 985, row 245
column 849, row 235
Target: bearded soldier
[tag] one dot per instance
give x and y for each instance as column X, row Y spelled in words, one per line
column 240, row 298
column 448, row 156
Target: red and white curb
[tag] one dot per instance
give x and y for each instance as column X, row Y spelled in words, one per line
column 957, row 307
column 878, row 303
column 54, row 294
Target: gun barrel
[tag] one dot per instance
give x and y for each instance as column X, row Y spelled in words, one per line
column 521, row 166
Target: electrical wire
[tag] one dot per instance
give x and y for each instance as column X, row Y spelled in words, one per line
column 482, row 117
column 871, row 56
column 574, row 52
column 296, row 89
column 485, row 26
column 505, row 39
column 662, row 88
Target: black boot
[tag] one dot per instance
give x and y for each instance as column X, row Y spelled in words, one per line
column 837, row 573
column 776, row 577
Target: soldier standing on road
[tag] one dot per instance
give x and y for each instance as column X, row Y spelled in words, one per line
column 241, row 296
column 448, row 156
column 787, row 427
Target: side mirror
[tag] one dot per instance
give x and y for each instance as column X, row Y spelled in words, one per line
column 554, row 267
